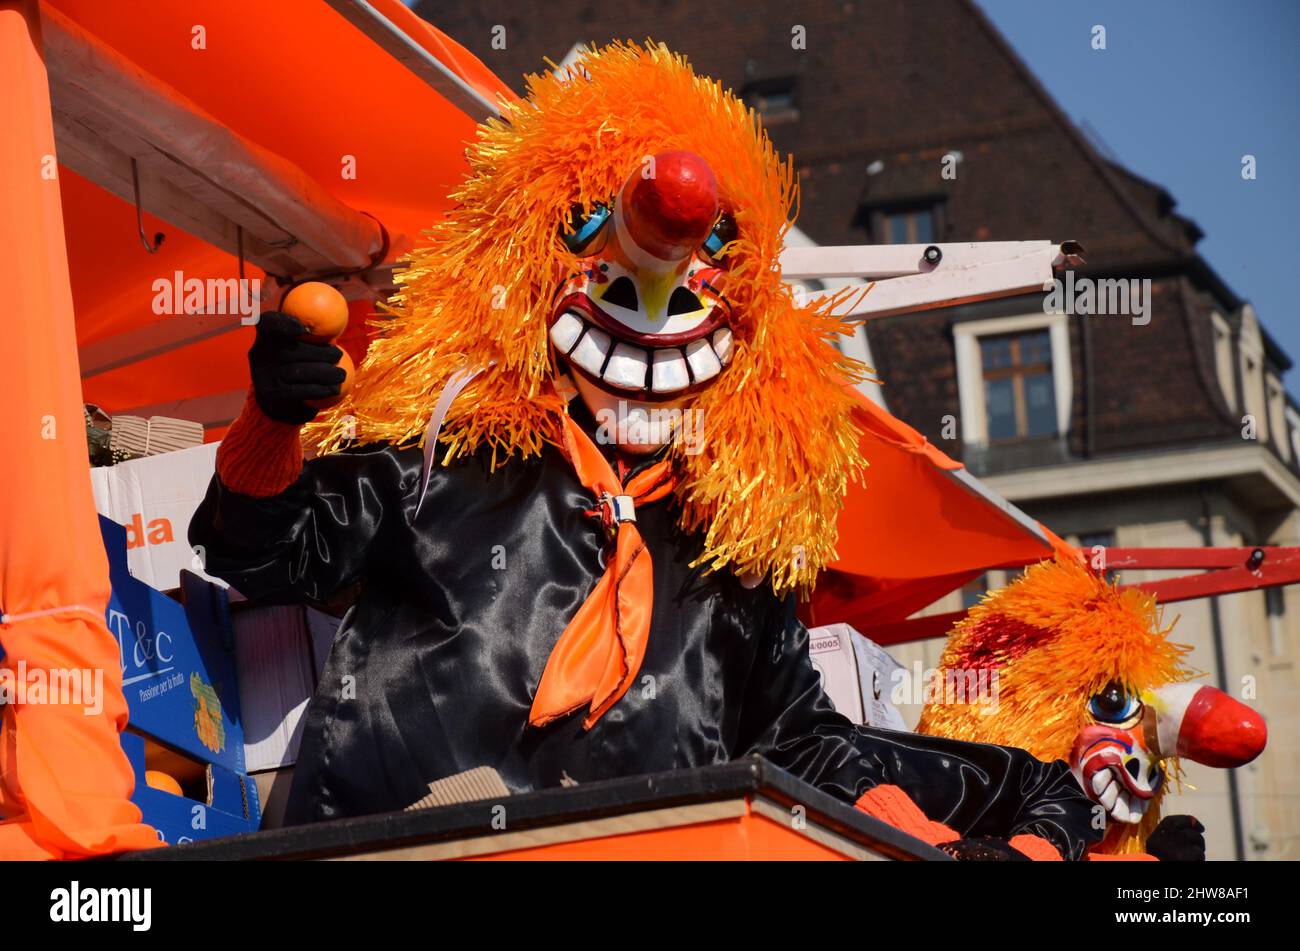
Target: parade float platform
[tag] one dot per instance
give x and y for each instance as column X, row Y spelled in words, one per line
column 742, row 811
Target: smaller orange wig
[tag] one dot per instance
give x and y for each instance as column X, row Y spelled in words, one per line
column 1055, row 636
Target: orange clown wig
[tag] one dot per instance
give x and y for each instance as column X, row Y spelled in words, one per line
column 779, row 444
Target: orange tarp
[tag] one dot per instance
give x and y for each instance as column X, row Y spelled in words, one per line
column 64, row 782
column 298, row 79
column 912, row 533
column 292, row 76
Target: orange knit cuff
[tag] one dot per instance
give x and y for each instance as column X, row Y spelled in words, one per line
column 890, row 804
column 1095, row 856
column 259, row 457
column 1036, row 847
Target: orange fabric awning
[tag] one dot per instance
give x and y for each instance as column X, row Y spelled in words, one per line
column 64, row 782
column 919, row 528
column 295, row 78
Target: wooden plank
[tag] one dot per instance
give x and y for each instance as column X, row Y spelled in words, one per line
column 109, row 110
column 607, row 827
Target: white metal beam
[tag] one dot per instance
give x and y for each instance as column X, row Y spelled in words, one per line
column 903, row 280
column 416, row 58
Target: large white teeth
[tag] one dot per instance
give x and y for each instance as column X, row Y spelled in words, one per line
column 669, row 372
column 591, row 350
column 722, row 344
column 1100, row 780
column 703, row 361
column 627, row 367
column 1123, row 810
column 1109, row 795
column 565, row 331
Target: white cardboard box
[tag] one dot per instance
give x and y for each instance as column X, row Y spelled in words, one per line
column 276, row 678
column 857, row 675
column 155, row 497
column 279, row 653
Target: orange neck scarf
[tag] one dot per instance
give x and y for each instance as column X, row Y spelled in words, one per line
column 598, row 655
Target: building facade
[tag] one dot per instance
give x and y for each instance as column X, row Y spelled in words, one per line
column 1141, row 404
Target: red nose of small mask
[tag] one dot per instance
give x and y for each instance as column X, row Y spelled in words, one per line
column 1211, row 727
column 670, row 205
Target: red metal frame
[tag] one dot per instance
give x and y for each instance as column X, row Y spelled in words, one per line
column 1225, row 571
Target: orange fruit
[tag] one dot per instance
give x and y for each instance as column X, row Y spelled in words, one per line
column 349, row 368
column 321, row 310
column 160, row 780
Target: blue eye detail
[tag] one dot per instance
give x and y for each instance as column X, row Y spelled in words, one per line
column 584, row 226
column 724, row 232
column 1114, row 704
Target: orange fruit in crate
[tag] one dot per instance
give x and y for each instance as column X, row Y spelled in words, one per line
column 349, row 368
column 321, row 310
column 160, row 780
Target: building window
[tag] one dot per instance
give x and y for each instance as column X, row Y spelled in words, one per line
column 907, row 226
column 1275, row 603
column 973, row 591
column 910, row 221
column 1019, row 397
column 774, row 100
column 1015, row 382
column 1293, row 426
column 1251, row 346
column 1223, row 359
column 1277, row 416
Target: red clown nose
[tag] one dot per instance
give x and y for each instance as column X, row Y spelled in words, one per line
column 1207, row 726
column 669, row 205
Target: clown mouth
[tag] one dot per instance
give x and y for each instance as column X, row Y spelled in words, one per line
column 1122, row 803
column 648, row 365
column 1108, row 779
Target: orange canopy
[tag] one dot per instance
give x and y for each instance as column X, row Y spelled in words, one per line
column 919, row 528
column 314, row 88
column 295, row 78
column 296, row 81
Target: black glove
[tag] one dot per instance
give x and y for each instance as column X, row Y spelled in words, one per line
column 1177, row 839
column 983, row 849
column 287, row 371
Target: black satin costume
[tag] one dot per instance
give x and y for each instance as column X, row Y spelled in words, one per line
column 434, row 668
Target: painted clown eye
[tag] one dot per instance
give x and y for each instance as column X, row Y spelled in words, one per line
column 1114, row 704
column 723, row 233
column 584, row 226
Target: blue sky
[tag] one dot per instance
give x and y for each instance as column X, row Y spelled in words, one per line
column 1183, row 90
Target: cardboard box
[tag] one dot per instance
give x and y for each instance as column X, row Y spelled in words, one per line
column 857, row 675
column 178, row 665
column 155, row 498
column 220, row 801
column 280, row 651
column 277, row 677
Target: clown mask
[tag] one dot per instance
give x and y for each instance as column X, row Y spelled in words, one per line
column 644, row 325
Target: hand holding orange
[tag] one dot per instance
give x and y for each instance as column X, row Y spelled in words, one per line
column 323, row 313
